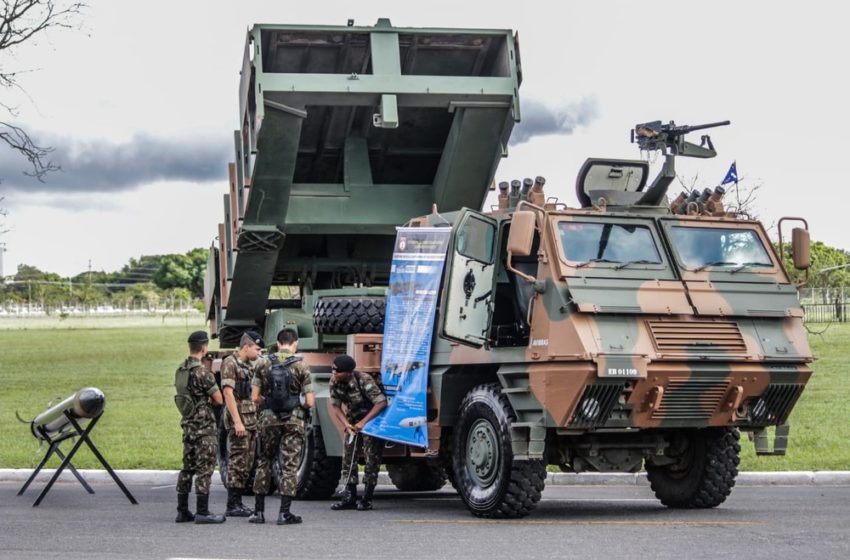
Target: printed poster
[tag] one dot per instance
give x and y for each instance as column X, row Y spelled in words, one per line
column 414, row 288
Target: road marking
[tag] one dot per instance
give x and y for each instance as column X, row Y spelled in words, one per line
column 160, row 488
column 612, row 500
column 194, row 558
column 575, row 522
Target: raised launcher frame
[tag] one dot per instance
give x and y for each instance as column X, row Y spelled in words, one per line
column 346, row 133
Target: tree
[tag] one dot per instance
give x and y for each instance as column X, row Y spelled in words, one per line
column 25, row 22
column 183, row 271
column 740, row 197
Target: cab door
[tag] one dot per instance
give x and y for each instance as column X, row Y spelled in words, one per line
column 469, row 296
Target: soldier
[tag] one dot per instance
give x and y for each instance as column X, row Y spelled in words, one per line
column 240, row 419
column 364, row 399
column 196, row 391
column 284, row 392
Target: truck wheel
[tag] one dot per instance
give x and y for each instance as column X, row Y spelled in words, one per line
column 490, row 481
column 318, row 474
column 349, row 315
column 705, row 473
column 417, row 476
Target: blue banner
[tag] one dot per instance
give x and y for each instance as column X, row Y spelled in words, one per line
column 417, row 268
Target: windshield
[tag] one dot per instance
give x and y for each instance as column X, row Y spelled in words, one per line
column 587, row 242
column 703, row 247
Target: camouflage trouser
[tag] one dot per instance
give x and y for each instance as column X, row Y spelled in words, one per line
column 372, row 449
column 199, row 456
column 288, row 440
column 240, row 457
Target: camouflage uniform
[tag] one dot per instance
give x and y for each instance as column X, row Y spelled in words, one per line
column 279, row 432
column 238, row 375
column 200, row 442
column 354, row 396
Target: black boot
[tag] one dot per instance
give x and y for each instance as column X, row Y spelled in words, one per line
column 285, row 517
column 349, row 499
column 202, row 512
column 259, row 508
column 365, row 503
column 183, row 513
column 235, row 507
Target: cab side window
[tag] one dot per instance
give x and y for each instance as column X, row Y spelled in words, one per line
column 475, row 239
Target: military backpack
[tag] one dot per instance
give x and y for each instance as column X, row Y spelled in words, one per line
column 280, row 398
column 183, row 399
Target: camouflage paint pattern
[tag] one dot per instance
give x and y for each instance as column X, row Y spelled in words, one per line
column 200, row 441
column 372, row 449
column 278, row 433
column 241, row 451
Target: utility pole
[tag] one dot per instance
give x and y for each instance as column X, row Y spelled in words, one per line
column 2, row 250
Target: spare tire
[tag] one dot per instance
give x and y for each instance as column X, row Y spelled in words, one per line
column 349, row 315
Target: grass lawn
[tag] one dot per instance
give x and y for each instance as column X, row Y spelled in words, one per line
column 134, row 367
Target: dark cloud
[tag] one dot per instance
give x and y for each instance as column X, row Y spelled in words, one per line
column 540, row 120
column 104, row 166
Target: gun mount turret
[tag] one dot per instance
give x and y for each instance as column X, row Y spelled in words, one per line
column 623, row 182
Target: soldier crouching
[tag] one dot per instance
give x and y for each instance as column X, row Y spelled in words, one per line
column 363, row 399
column 283, row 390
column 240, row 420
column 196, row 390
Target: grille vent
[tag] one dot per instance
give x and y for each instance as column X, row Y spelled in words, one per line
column 596, row 404
column 697, row 336
column 775, row 404
column 691, row 399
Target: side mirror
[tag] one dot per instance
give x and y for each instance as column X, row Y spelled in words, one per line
column 521, row 235
column 800, row 248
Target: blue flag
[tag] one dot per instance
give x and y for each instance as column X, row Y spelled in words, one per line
column 731, row 175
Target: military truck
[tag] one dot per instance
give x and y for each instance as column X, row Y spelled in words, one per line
column 628, row 332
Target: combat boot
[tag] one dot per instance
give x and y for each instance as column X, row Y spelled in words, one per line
column 285, row 517
column 183, row 513
column 259, row 507
column 202, row 512
column 235, row 507
column 349, row 499
column 365, row 503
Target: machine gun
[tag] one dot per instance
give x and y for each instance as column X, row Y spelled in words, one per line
column 653, row 136
column 670, row 139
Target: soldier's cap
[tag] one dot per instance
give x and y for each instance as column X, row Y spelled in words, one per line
column 198, row 337
column 344, row 362
column 249, row 337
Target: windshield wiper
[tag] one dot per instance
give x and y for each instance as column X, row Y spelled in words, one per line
column 638, row 261
column 585, row 263
column 742, row 266
column 713, row 263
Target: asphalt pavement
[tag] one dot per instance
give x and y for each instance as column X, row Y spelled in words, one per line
column 570, row 522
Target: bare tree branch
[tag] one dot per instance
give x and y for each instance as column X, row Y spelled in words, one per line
column 24, row 21
column 17, row 139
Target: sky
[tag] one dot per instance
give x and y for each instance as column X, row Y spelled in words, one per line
column 140, row 105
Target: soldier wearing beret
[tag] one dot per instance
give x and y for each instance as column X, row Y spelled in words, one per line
column 240, row 419
column 196, row 392
column 363, row 397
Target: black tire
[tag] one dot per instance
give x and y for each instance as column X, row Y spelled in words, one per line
column 349, row 315
column 417, row 476
column 318, row 474
column 705, row 473
column 490, row 481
